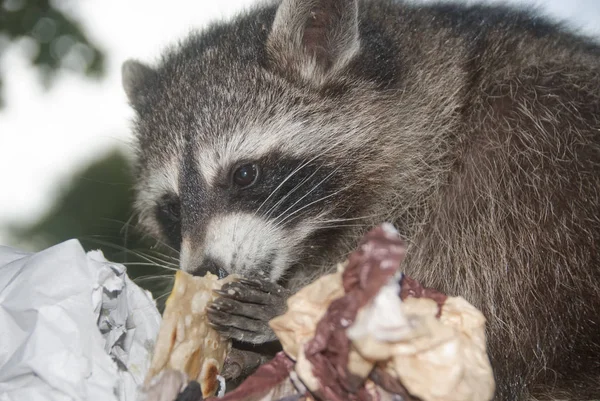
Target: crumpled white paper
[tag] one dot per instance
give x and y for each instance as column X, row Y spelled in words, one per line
column 73, row 326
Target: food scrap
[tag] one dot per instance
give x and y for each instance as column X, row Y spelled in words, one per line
column 186, row 343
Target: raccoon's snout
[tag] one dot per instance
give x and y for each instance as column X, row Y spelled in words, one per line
column 210, row 265
column 239, row 243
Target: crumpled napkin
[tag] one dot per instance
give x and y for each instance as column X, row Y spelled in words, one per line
column 73, row 326
column 368, row 332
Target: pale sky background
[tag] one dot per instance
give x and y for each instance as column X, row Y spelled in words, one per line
column 79, row 119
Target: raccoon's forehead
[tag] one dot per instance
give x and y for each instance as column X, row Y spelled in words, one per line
column 282, row 137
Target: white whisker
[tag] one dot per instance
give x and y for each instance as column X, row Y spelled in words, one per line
column 148, row 258
column 350, row 218
column 306, row 194
column 295, row 171
column 280, row 201
column 286, row 218
column 164, row 277
column 149, row 264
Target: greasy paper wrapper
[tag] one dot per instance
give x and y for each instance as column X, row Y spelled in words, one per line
column 368, row 332
column 186, row 343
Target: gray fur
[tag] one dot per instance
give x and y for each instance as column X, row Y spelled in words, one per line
column 314, row 39
column 476, row 130
column 134, row 76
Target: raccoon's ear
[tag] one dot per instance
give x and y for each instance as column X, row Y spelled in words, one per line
column 314, row 38
column 135, row 76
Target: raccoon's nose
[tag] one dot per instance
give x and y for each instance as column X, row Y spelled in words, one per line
column 213, row 266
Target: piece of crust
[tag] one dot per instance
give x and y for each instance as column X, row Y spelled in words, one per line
column 186, row 342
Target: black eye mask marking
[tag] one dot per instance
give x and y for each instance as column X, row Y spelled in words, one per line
column 284, row 189
column 168, row 215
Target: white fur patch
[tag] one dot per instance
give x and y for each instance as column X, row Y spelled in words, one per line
column 245, row 243
column 158, row 182
column 164, row 180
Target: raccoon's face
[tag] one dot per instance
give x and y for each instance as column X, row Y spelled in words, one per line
column 247, row 163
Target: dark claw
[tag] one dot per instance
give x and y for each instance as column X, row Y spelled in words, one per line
column 221, row 305
column 217, row 327
column 251, row 283
column 212, row 308
column 218, row 318
column 221, row 293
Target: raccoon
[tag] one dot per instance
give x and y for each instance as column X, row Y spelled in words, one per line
column 269, row 143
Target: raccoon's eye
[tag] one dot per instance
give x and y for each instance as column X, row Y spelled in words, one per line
column 171, row 210
column 245, row 175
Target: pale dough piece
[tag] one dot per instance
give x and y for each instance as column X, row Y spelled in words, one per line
column 186, row 342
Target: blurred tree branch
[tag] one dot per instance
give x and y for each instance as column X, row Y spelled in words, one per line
column 60, row 40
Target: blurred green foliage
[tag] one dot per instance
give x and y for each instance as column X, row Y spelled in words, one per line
column 60, row 41
column 96, row 208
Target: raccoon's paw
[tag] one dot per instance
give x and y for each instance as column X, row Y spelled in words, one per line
column 240, row 364
column 244, row 308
